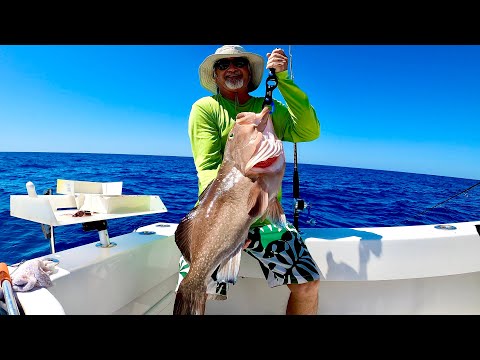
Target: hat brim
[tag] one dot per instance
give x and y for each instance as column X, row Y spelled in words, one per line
column 205, row 70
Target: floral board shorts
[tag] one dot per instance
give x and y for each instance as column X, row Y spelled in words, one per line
column 281, row 253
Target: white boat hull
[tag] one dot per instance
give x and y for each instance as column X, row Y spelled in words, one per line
column 396, row 270
column 458, row 294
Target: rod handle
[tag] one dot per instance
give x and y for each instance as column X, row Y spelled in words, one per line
column 4, row 273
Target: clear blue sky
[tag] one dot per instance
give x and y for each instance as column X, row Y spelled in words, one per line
column 390, row 107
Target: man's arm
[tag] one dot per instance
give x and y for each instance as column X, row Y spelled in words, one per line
column 206, row 144
column 297, row 121
column 303, row 124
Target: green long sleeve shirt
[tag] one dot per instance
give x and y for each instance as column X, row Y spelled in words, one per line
column 212, row 117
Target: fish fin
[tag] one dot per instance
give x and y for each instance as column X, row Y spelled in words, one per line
column 183, row 233
column 257, row 201
column 216, row 297
column 189, row 302
column 183, row 236
column 228, row 271
column 275, row 213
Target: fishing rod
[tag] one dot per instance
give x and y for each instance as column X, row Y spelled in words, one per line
column 442, row 202
column 271, row 83
column 298, row 204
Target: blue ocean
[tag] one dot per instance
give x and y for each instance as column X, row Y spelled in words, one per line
column 334, row 196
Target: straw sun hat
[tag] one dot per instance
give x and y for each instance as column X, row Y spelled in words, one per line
column 226, row 51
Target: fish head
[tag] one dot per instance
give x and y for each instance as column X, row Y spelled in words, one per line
column 243, row 141
column 265, row 153
column 255, row 150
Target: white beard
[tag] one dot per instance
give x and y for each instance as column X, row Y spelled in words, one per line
column 233, row 84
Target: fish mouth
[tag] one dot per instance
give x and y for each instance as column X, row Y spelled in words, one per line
column 267, row 156
column 266, row 163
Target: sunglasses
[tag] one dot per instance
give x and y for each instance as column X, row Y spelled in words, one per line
column 223, row 64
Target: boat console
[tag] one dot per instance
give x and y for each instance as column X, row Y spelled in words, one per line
column 92, row 204
column 82, row 202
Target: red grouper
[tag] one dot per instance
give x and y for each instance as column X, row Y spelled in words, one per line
column 246, row 187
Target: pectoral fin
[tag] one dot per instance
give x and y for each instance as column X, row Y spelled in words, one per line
column 275, row 213
column 257, row 201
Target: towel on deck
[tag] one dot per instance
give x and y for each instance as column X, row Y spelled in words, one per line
column 32, row 273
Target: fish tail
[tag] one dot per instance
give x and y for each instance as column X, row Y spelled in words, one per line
column 188, row 302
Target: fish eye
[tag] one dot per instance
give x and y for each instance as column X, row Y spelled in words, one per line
column 230, row 136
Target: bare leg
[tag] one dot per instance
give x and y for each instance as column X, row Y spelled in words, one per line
column 303, row 298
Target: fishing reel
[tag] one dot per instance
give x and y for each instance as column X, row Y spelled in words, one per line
column 300, row 205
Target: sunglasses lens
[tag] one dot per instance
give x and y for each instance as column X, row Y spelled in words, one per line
column 239, row 62
column 223, row 64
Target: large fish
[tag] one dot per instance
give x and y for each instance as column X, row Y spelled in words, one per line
column 214, row 231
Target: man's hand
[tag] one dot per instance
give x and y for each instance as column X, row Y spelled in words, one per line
column 277, row 60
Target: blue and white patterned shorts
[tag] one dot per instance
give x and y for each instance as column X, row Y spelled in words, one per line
column 281, row 253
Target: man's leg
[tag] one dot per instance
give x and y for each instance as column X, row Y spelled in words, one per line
column 303, row 298
column 285, row 260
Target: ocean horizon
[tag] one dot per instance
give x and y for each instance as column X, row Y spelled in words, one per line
column 335, row 196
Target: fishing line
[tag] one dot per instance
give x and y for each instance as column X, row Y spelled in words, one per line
column 442, row 202
column 298, row 204
column 296, row 179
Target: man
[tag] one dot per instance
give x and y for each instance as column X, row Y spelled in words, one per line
column 231, row 74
